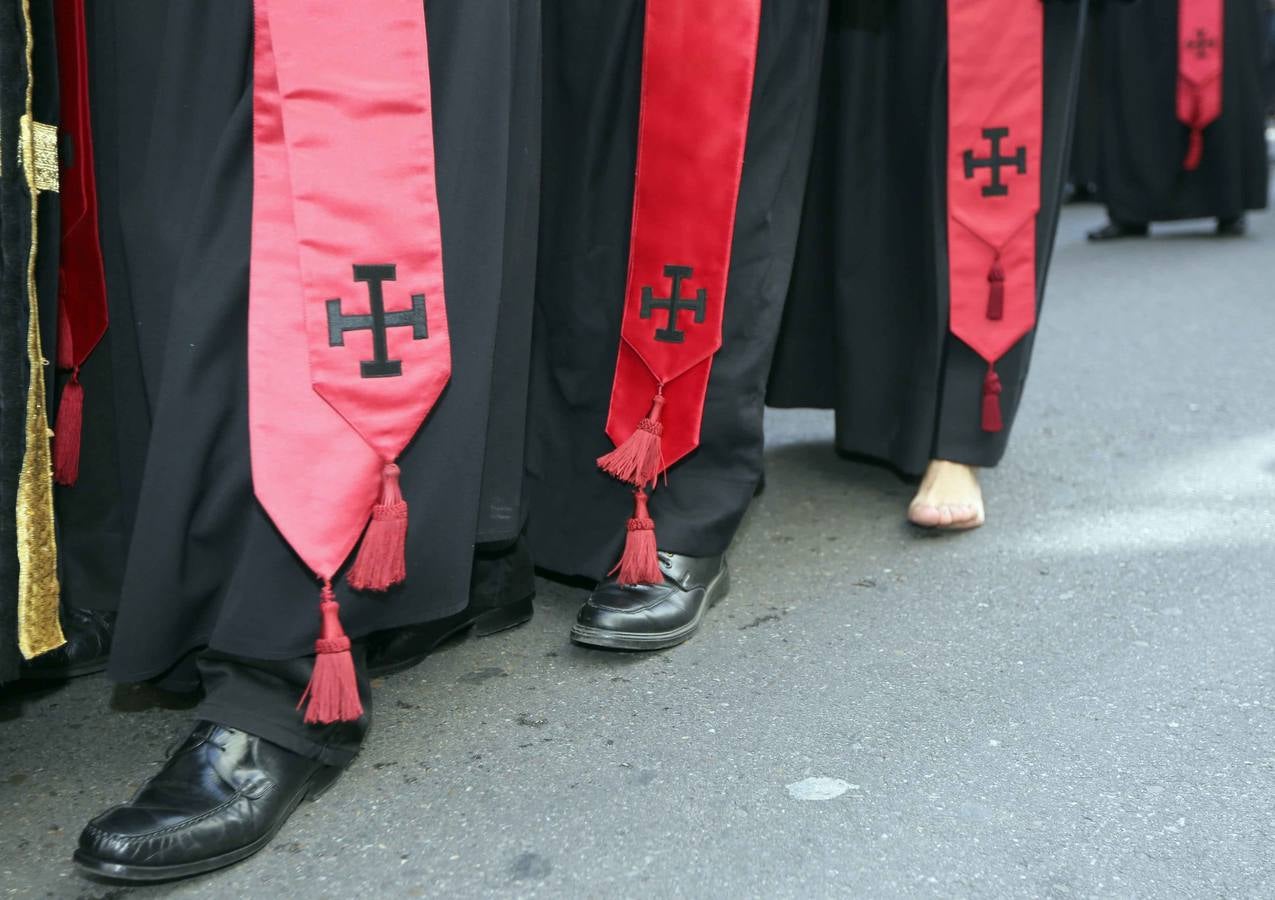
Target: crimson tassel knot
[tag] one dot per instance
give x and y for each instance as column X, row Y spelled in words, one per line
column 1194, row 150
column 992, row 401
column 639, row 459
column 67, row 432
column 996, row 291
column 333, row 691
column 640, row 563
column 382, row 559
column 1195, row 145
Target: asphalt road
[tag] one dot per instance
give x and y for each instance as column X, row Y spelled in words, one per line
column 1076, row 700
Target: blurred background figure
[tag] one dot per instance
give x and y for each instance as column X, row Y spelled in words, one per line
column 1182, row 132
column 1086, row 144
column 1268, row 60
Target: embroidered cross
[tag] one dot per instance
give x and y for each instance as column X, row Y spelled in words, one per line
column 995, row 162
column 1201, row 44
column 674, row 303
column 378, row 321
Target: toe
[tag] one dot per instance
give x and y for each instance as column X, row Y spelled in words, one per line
column 925, row 515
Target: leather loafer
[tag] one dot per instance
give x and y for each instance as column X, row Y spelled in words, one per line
column 220, row 798
column 88, row 635
column 1115, row 230
column 399, row 649
column 501, row 591
column 653, row 616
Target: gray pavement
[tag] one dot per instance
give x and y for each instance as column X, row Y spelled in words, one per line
column 1077, row 700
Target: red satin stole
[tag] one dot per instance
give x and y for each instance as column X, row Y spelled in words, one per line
column 348, row 343
column 995, row 100
column 697, row 80
column 1199, row 98
column 82, row 315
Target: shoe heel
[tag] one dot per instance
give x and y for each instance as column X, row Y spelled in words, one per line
column 505, row 617
column 322, row 781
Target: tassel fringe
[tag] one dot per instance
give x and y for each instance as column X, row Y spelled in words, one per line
column 1194, row 150
column 382, row 559
column 1195, row 145
column 67, row 432
column 333, row 692
column 640, row 563
column 992, row 401
column 640, row 459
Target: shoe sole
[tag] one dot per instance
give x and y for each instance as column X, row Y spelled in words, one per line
column 118, row 872
column 76, row 671
column 716, row 591
column 491, row 622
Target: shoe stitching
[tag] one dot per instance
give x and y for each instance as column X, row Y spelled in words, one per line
column 238, row 795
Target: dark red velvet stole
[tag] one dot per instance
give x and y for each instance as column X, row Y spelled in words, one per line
column 82, row 315
column 697, row 81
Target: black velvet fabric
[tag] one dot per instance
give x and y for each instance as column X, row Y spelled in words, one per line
column 1143, row 143
column 865, row 331
column 592, row 88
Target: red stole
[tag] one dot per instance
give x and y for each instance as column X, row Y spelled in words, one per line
column 697, row 80
column 348, row 345
column 82, row 312
column 1199, row 103
column 995, row 103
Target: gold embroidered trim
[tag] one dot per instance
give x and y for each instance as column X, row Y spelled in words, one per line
column 40, row 154
column 39, row 627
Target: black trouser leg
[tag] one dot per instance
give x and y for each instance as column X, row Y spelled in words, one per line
column 260, row 697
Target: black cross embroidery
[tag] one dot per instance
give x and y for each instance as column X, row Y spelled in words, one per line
column 377, row 322
column 1201, row 43
column 995, row 162
column 675, row 303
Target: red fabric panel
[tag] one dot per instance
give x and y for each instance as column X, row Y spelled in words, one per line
column 343, row 179
column 697, row 81
column 995, row 97
column 82, row 315
column 1200, row 57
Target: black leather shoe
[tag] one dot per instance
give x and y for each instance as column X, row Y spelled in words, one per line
column 653, row 616
column 88, row 634
column 1232, row 226
column 1115, row 230
column 500, row 594
column 219, row 799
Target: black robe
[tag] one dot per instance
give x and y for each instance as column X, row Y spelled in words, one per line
column 16, row 238
column 592, row 75
column 203, row 566
column 1143, row 143
column 1084, row 171
column 865, row 331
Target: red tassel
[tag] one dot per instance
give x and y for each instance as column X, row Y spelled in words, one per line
column 992, row 401
column 333, row 692
column 382, row 559
column 1194, row 150
column 1195, row 146
column 639, row 564
column 639, row 460
column 996, row 291
column 67, row 432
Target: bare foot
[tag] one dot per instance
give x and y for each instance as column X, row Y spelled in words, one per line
column 949, row 498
